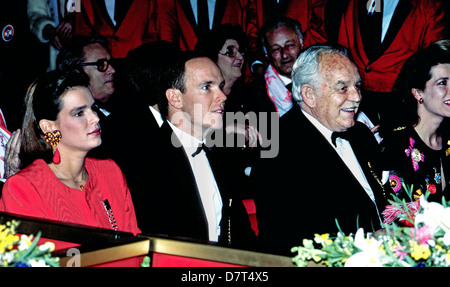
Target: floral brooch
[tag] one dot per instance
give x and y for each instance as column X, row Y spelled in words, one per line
column 416, row 155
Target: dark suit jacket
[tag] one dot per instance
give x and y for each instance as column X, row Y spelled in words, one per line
column 130, row 136
column 307, row 187
column 167, row 201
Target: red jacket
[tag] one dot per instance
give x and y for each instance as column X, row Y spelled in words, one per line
column 35, row 191
column 178, row 21
column 415, row 24
column 311, row 15
column 138, row 26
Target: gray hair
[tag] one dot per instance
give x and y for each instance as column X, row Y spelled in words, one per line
column 273, row 25
column 306, row 67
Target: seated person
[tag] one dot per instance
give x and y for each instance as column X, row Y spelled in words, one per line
column 58, row 182
column 416, row 148
column 191, row 199
column 325, row 176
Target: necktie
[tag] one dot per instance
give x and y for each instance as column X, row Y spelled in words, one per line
column 202, row 16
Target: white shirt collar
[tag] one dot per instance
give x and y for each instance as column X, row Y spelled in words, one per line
column 285, row 79
column 189, row 142
column 157, row 116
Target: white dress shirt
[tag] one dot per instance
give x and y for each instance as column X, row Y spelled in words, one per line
column 388, row 12
column 211, row 8
column 157, row 116
column 206, row 183
column 111, row 8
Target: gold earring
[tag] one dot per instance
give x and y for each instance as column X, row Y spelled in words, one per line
column 53, row 139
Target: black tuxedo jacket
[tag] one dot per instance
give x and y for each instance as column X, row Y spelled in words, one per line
column 308, row 189
column 169, row 204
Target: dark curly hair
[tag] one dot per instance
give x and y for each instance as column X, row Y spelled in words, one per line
column 415, row 73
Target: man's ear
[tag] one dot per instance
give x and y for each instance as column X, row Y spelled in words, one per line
column 47, row 126
column 174, row 98
column 308, row 95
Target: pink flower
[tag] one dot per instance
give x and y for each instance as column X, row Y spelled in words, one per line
column 406, row 217
column 422, row 234
column 399, row 252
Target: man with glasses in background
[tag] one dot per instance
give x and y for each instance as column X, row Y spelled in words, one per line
column 93, row 55
column 282, row 42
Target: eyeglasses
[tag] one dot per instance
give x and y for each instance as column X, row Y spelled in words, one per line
column 102, row 64
column 277, row 49
column 231, row 51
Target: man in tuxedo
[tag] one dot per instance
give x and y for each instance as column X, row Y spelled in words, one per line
column 380, row 36
column 319, row 182
column 185, row 198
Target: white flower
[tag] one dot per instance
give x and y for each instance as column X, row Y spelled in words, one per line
column 47, row 246
column 7, row 256
column 24, row 242
column 370, row 255
column 436, row 217
column 37, row 263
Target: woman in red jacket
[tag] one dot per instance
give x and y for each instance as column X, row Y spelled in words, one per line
column 58, row 182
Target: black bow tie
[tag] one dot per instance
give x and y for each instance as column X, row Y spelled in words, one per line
column 201, row 147
column 342, row 135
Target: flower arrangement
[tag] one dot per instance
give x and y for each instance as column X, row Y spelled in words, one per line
column 23, row 251
column 421, row 239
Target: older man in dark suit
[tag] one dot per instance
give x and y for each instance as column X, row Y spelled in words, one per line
column 325, row 174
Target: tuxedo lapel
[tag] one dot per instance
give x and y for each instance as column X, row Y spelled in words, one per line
column 367, row 155
column 189, row 13
column 104, row 12
column 177, row 165
column 401, row 12
column 370, row 29
column 219, row 11
column 121, row 10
